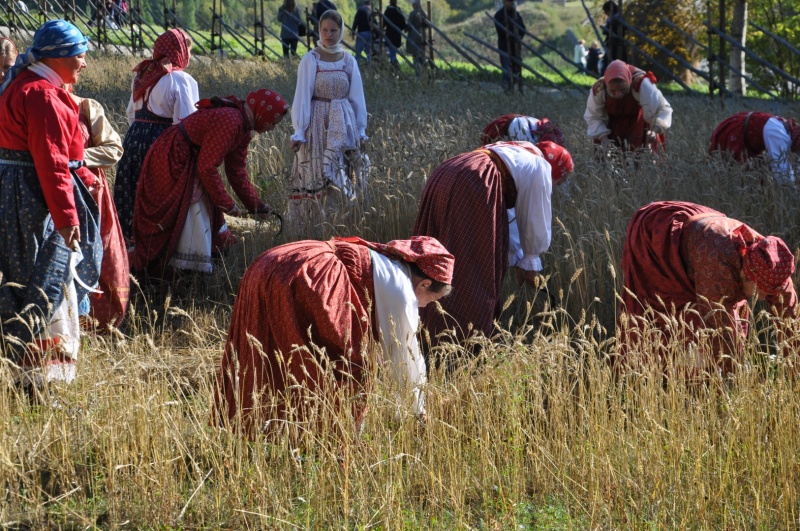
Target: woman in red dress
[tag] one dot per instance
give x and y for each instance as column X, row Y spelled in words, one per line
column 625, row 107
column 748, row 135
column 181, row 197
column 307, row 323
column 689, row 269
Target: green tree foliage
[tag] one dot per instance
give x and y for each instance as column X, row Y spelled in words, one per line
column 782, row 18
column 646, row 16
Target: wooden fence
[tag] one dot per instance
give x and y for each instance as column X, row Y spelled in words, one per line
column 131, row 33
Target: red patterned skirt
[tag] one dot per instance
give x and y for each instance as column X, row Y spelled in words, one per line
column 463, row 205
column 299, row 336
column 656, row 278
column 109, row 307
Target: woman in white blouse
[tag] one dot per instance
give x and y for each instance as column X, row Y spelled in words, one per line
column 311, row 321
column 329, row 116
column 162, row 94
column 472, row 203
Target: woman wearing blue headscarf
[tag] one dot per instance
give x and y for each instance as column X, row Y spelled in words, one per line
column 48, row 219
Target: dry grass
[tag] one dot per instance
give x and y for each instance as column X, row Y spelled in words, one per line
column 537, row 433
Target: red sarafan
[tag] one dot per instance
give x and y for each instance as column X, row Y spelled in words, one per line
column 692, row 263
column 314, row 319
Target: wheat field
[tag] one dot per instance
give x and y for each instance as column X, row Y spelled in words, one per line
column 536, row 433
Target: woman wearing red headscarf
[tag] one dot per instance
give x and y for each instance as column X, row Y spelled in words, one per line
column 523, row 129
column 465, row 205
column 181, row 196
column 626, row 107
column 307, row 321
column 747, row 135
column 162, row 94
column 700, row 266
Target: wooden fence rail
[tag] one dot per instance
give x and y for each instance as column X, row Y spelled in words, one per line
column 135, row 35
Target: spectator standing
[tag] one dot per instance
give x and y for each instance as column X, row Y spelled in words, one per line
column 415, row 40
column 291, row 23
column 593, row 57
column 510, row 31
column 362, row 30
column 579, row 56
column 394, row 23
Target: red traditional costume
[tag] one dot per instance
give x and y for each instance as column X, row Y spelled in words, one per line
column 747, row 135
column 103, row 148
column 43, row 188
column 523, row 129
column 465, row 205
column 181, row 171
column 685, row 260
column 627, row 120
column 305, row 323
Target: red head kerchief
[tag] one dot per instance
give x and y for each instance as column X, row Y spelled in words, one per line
column 549, row 133
column 769, row 263
column 170, row 53
column 267, row 106
column 618, row 70
column 794, row 132
column 429, row 255
column 559, row 158
column 497, row 128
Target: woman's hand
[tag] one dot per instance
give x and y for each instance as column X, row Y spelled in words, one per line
column 362, row 143
column 235, row 211
column 296, row 145
column 71, row 235
column 264, row 211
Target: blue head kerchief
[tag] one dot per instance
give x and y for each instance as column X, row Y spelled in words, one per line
column 55, row 38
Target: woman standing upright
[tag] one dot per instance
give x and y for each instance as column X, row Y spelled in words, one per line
column 8, row 56
column 162, row 94
column 329, row 116
column 291, row 23
column 102, row 148
column 48, row 220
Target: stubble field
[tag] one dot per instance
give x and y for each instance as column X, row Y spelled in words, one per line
column 536, row 434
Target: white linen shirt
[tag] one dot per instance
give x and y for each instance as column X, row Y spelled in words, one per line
column 779, row 144
column 532, row 215
column 173, row 97
column 655, row 108
column 397, row 310
column 307, row 76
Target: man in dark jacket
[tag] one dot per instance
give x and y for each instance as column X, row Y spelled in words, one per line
column 394, row 23
column 362, row 30
column 510, row 31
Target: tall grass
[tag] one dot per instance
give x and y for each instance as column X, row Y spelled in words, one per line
column 538, row 432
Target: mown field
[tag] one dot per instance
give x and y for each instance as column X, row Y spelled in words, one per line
column 535, row 434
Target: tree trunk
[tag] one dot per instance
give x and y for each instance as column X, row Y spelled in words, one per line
column 738, row 85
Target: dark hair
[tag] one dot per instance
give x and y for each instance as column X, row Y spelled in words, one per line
column 436, row 285
column 610, row 7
